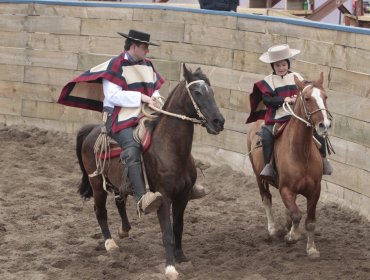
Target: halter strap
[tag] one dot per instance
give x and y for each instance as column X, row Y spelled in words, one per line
column 199, row 113
column 200, row 120
column 288, row 109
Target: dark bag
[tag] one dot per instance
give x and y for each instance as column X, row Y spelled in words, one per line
column 219, row 5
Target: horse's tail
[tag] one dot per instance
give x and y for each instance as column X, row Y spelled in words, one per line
column 84, row 188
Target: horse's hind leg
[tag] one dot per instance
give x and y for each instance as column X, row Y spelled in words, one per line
column 267, row 204
column 311, row 250
column 178, row 209
column 289, row 199
column 100, row 198
column 121, row 206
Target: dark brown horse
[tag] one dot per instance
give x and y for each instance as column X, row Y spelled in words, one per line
column 298, row 161
column 168, row 163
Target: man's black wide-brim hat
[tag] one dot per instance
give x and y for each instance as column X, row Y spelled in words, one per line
column 138, row 36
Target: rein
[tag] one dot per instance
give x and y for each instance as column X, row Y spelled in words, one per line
column 200, row 120
column 288, row 109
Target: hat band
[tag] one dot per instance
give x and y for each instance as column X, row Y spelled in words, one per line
column 135, row 39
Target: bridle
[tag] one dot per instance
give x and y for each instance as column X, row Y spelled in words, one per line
column 200, row 119
column 308, row 121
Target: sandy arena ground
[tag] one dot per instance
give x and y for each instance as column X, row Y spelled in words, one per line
column 48, row 232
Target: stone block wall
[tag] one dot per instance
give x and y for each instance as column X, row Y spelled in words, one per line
column 43, row 45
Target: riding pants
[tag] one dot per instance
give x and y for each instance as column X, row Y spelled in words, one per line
column 130, row 156
column 267, row 142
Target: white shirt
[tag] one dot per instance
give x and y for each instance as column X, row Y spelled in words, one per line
column 115, row 96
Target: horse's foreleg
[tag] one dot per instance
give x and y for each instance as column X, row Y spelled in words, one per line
column 312, row 252
column 167, row 238
column 289, row 199
column 125, row 228
column 100, row 198
column 178, row 209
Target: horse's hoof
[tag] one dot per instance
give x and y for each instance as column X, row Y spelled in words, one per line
column 111, row 246
column 313, row 253
column 290, row 240
column 171, row 273
column 180, row 257
column 272, row 231
column 122, row 233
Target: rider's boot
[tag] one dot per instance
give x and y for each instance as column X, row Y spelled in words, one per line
column 198, row 191
column 327, row 168
column 268, row 172
column 147, row 202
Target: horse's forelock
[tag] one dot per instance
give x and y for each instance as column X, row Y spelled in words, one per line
column 199, row 75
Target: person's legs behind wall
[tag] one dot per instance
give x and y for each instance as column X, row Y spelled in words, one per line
column 131, row 157
column 267, row 148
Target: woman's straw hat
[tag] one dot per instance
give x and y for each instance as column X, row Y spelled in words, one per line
column 277, row 53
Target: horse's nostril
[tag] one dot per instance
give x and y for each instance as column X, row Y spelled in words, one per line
column 218, row 122
column 321, row 125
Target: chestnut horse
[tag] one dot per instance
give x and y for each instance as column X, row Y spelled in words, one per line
column 168, row 162
column 297, row 159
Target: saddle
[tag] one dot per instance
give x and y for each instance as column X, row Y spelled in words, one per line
column 142, row 134
column 277, row 131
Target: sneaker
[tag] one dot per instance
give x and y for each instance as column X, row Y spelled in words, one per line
column 198, row 191
column 327, row 168
column 150, row 202
column 268, row 173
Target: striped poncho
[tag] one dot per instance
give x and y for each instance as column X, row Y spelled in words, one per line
column 268, row 96
column 86, row 90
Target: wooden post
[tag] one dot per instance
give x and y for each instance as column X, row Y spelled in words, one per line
column 359, row 8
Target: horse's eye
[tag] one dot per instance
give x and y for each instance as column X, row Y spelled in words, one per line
column 198, row 92
column 307, row 99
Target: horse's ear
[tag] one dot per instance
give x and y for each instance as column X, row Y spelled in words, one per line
column 186, row 73
column 299, row 83
column 321, row 79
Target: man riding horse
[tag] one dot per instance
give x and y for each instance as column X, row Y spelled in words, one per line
column 116, row 87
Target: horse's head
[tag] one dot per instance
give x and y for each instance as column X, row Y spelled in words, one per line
column 313, row 104
column 202, row 95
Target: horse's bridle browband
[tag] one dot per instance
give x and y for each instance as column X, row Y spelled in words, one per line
column 308, row 122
